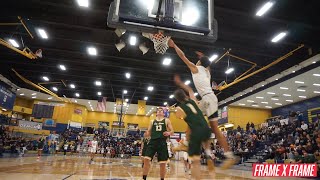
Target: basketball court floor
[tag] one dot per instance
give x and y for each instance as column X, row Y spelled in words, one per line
column 74, row 168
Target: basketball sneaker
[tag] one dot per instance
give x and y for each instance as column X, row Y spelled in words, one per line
column 229, row 162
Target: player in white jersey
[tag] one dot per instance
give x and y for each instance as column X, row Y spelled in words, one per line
column 169, row 147
column 94, row 145
column 209, row 103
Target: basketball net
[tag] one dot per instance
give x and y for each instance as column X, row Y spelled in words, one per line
column 159, row 40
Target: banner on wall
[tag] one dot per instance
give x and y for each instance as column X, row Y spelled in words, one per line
column 132, row 126
column 103, row 124
column 7, row 98
column 223, row 116
column 75, row 124
column 117, row 123
column 175, row 136
column 49, row 123
column 29, row 125
column 78, row 111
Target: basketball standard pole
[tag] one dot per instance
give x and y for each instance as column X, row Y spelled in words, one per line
column 120, row 118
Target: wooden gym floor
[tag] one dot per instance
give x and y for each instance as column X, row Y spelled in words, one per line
column 74, row 168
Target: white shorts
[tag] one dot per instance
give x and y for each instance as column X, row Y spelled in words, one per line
column 186, row 157
column 93, row 150
column 209, row 104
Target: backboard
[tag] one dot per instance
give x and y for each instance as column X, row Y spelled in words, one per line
column 185, row 19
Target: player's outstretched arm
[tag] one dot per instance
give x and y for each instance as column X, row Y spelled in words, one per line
column 186, row 88
column 191, row 66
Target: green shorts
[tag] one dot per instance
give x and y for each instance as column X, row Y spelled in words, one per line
column 158, row 146
column 144, row 151
column 197, row 137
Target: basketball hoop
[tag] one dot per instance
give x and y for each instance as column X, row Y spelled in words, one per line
column 159, row 40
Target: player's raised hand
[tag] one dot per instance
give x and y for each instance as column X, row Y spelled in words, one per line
column 177, row 80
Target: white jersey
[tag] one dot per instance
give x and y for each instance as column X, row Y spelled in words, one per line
column 201, row 81
column 94, row 144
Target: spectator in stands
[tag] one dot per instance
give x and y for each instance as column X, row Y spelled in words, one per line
column 41, row 142
column 304, row 126
column 252, row 125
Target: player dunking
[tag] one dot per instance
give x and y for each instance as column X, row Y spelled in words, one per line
column 209, row 103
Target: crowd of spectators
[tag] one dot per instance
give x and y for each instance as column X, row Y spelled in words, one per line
column 281, row 139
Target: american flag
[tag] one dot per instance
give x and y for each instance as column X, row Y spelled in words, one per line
column 102, row 104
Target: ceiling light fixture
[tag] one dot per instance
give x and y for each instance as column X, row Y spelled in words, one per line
column 271, row 93
column 299, row 82
column 213, row 57
column 128, row 75
column 77, row 94
column 49, row 98
column 83, row 3
column 316, row 92
column 33, row 94
column 72, row 86
column 146, row 98
column 92, row 51
column 260, row 97
column 98, row 83
column 268, row 106
column 125, row 91
column 288, row 95
column 150, row 88
column 250, row 101
column 171, row 96
column 317, row 75
column 133, row 40
column 196, row 94
column 278, row 104
column 62, row 67
column 187, row 82
column 242, row 104
column 14, row 43
column 166, row 61
column 316, row 84
column 266, row 7
column 99, row 93
column 165, row 103
column 284, row 88
column 55, row 88
column 264, row 102
column 289, row 100
column 278, row 37
column 21, row 94
column 274, row 99
column 34, row 97
column 45, row 78
column 303, row 97
column 301, row 90
column 229, row 70
column 43, row 33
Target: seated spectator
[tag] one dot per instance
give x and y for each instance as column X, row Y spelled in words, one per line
column 304, row 126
